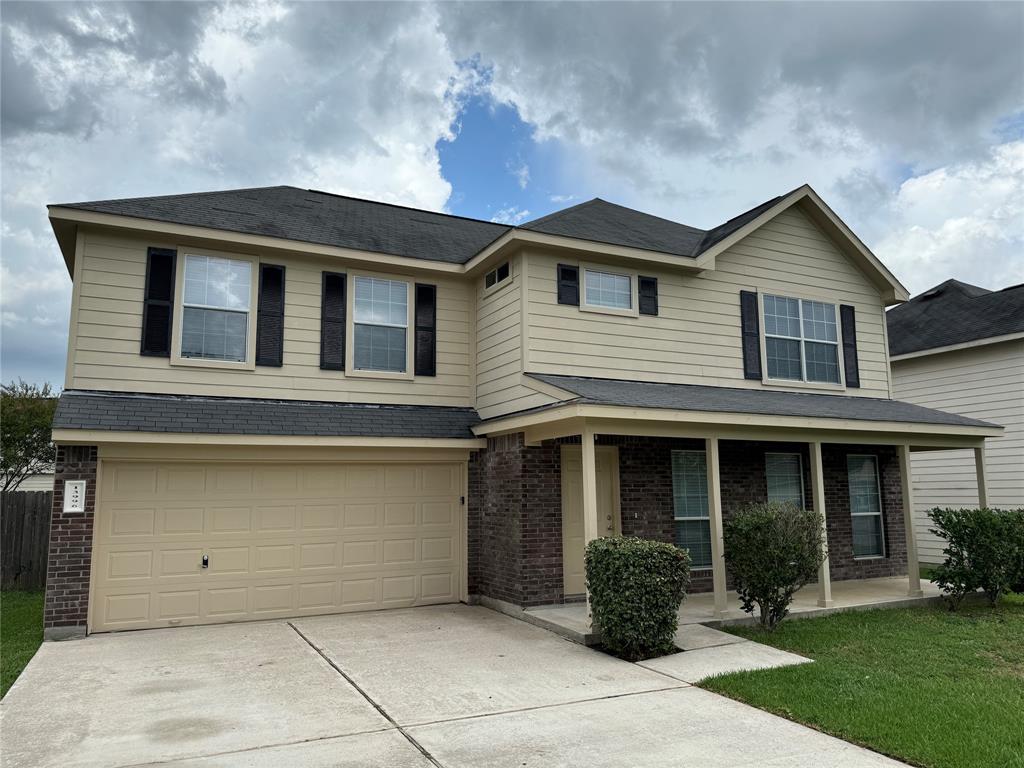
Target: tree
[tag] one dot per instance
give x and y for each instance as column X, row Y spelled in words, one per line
column 26, row 419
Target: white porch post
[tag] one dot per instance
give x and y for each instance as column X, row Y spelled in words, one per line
column 589, row 472
column 907, row 485
column 979, row 468
column 715, row 516
column 818, row 494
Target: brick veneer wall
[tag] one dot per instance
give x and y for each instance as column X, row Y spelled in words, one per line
column 70, row 558
column 515, row 510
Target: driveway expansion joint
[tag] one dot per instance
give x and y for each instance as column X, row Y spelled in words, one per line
column 383, row 712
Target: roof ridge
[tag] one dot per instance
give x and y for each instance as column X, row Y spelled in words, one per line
column 559, row 212
column 163, row 197
column 405, row 207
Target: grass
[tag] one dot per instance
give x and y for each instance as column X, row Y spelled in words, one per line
column 21, row 632
column 930, row 687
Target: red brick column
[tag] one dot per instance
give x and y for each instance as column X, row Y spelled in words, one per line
column 70, row 559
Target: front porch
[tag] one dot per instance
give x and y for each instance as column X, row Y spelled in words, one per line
column 571, row 620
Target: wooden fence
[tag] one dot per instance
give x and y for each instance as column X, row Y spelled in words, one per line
column 24, row 536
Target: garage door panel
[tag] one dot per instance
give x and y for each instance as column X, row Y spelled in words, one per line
column 282, row 540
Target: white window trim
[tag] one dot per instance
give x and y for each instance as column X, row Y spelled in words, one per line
column 879, row 514
column 801, row 383
column 691, row 518
column 350, row 328
column 634, row 298
column 249, row 364
column 501, row 284
column 800, row 463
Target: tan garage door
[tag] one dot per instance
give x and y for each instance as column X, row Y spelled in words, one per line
column 280, row 539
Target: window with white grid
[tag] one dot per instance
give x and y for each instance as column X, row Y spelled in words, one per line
column 785, row 477
column 865, row 506
column 690, row 503
column 801, row 339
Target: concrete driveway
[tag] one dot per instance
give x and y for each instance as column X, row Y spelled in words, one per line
column 445, row 686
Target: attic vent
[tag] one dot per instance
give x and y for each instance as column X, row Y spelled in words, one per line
column 931, row 294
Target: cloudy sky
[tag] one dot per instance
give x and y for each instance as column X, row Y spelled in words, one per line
column 907, row 118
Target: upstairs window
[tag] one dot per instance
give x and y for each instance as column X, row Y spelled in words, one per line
column 380, row 331
column 607, row 290
column 801, row 340
column 498, row 275
column 216, row 304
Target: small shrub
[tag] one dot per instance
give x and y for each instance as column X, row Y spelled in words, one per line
column 636, row 587
column 984, row 550
column 772, row 550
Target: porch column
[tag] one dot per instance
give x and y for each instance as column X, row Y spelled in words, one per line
column 715, row 517
column 589, row 473
column 818, row 495
column 906, row 482
column 979, row 468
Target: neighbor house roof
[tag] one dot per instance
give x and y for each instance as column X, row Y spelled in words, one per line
column 118, row 412
column 322, row 218
column 694, row 397
column 954, row 313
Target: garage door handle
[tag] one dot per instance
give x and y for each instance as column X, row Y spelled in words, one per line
column 206, row 561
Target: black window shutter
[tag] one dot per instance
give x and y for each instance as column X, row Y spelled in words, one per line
column 568, row 285
column 270, row 317
column 332, row 322
column 426, row 330
column 751, row 327
column 158, row 302
column 647, row 290
column 851, row 368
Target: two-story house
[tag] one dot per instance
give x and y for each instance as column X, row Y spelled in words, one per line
column 281, row 402
column 961, row 348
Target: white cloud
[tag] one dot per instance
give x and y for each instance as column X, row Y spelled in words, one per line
column 964, row 221
column 510, row 215
column 521, row 172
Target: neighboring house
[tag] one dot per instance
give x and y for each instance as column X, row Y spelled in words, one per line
column 961, row 348
column 42, row 481
column 284, row 402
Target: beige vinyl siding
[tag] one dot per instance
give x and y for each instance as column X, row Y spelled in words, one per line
column 105, row 350
column 695, row 339
column 499, row 363
column 985, row 382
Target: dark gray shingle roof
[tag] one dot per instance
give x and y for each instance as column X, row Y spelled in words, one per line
column 325, row 219
column 119, row 412
column 693, row 397
column 316, row 217
column 954, row 313
column 604, row 222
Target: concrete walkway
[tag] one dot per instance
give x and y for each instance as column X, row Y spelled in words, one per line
column 449, row 686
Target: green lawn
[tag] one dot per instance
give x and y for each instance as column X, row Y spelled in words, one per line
column 21, row 632
column 930, row 687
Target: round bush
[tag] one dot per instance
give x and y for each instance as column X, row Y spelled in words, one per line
column 636, row 587
column 772, row 550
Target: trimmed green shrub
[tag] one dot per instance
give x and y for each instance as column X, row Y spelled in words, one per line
column 772, row 550
column 984, row 550
column 636, row 587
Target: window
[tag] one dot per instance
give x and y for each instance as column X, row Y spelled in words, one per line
column 801, row 340
column 215, row 308
column 865, row 506
column 785, row 477
column 607, row 290
column 380, row 330
column 499, row 275
column 690, row 502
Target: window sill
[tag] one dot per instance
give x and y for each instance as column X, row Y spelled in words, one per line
column 609, row 310
column 859, row 558
column 224, row 365
column 794, row 384
column 385, row 375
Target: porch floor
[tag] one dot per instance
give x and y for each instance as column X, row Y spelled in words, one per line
column 570, row 619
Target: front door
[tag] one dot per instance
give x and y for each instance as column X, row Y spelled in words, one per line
column 607, row 459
